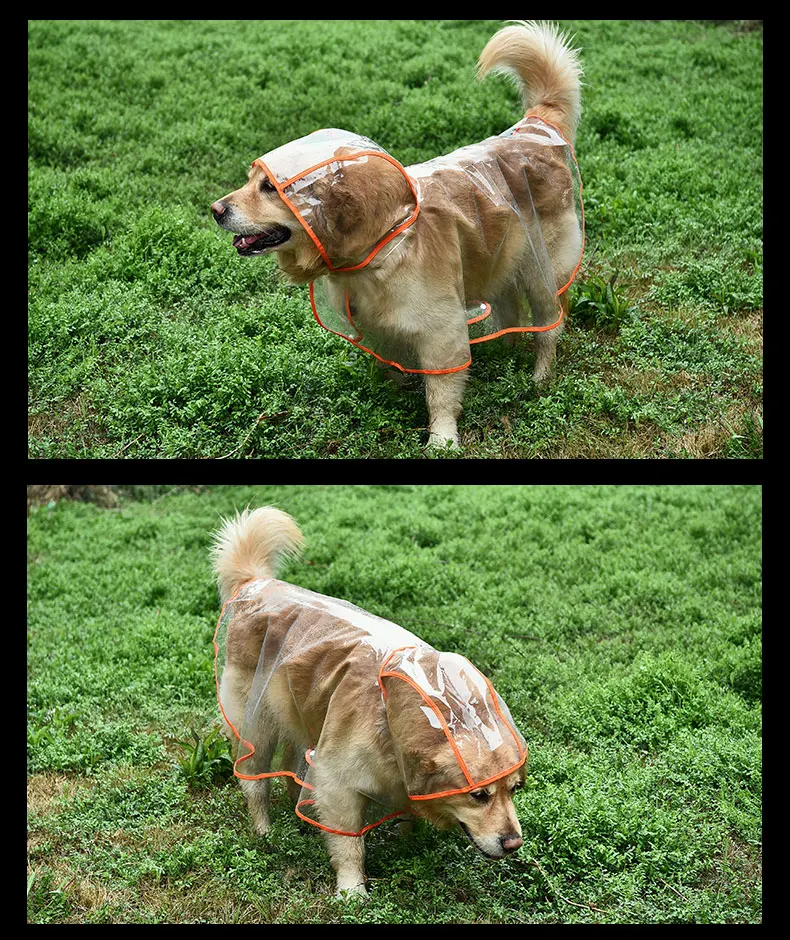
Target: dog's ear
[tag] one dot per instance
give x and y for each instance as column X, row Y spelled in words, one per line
column 422, row 772
column 423, row 754
column 358, row 204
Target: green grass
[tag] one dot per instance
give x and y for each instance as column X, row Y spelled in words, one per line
column 622, row 624
column 150, row 337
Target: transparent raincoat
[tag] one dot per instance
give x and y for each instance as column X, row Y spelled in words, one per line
column 493, row 172
column 355, row 687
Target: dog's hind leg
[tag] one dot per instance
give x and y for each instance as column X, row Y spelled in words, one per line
column 233, row 693
column 565, row 251
column 509, row 307
column 546, row 346
column 545, row 310
column 256, row 792
column 293, row 761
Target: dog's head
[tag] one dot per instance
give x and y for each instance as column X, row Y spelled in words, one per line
column 461, row 757
column 261, row 221
column 486, row 815
column 309, row 210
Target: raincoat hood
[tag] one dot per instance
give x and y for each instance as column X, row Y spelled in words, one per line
column 311, row 175
column 451, row 731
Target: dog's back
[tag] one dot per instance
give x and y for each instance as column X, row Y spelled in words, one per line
column 508, row 202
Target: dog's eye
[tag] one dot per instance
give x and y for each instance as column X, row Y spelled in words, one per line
column 516, row 786
column 266, row 185
column 480, row 795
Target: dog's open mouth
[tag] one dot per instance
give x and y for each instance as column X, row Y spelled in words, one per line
column 261, row 242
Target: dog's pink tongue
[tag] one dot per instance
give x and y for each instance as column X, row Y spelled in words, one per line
column 244, row 241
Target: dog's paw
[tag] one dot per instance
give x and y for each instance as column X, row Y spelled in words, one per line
column 443, row 433
column 351, row 892
column 443, row 439
column 260, row 827
column 542, row 376
column 436, row 447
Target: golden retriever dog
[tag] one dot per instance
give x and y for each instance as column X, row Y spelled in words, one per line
column 472, row 240
column 382, row 718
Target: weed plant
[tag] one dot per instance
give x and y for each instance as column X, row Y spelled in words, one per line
column 206, row 758
column 150, row 338
column 622, row 624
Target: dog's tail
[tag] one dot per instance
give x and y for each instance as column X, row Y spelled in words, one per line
column 545, row 66
column 251, row 546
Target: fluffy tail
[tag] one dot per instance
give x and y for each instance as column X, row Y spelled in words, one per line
column 541, row 59
column 251, row 546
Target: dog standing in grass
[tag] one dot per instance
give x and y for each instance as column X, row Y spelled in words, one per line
column 381, row 716
column 461, row 247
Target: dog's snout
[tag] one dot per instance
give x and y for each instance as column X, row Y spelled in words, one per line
column 511, row 842
column 218, row 209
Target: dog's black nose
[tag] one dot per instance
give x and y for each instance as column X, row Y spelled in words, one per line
column 218, row 209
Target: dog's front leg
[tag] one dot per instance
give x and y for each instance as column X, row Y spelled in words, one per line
column 443, row 395
column 344, row 810
column 443, row 343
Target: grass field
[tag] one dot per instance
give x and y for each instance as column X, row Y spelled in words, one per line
column 150, row 338
column 622, row 624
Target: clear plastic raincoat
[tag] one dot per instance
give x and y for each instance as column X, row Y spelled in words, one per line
column 494, row 172
column 360, row 686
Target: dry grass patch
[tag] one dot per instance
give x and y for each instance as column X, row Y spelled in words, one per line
column 631, row 442
column 712, row 440
column 748, row 327
column 646, row 381
column 46, row 791
column 68, row 413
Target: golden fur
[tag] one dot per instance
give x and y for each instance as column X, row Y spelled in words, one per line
column 367, row 740
column 411, row 299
